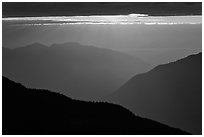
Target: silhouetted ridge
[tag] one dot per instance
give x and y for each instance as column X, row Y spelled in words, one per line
column 195, row 58
column 169, row 93
column 36, row 111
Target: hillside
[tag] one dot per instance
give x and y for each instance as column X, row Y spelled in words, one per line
column 169, row 93
column 36, row 111
column 70, row 68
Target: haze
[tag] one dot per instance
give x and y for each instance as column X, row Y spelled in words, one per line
column 155, row 39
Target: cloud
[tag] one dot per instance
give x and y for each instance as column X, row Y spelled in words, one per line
column 105, row 20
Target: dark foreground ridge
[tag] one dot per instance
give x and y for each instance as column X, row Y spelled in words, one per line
column 33, row 111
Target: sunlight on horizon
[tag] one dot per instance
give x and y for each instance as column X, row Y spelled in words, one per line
column 104, row 20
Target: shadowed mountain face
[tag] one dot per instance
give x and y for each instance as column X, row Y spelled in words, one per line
column 83, row 72
column 32, row 111
column 170, row 93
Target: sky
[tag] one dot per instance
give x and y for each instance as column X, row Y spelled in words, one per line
column 109, row 31
column 141, row 35
column 38, row 9
column 104, row 19
column 145, row 29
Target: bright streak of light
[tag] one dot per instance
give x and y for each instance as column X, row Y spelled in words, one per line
column 105, row 20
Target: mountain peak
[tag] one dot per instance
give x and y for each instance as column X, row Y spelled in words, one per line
column 66, row 44
column 36, row 44
column 98, row 71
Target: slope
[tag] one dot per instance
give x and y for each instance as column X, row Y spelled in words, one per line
column 169, row 93
column 37, row 111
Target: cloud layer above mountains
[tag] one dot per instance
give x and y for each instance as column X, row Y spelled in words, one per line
column 104, row 20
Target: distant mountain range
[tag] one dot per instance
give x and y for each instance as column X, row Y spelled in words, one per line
column 169, row 93
column 81, row 72
column 35, row 112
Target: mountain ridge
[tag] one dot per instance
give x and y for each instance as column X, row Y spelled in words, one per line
column 169, row 93
column 61, row 68
column 51, row 113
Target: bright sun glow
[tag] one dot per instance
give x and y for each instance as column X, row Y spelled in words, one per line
column 105, row 19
